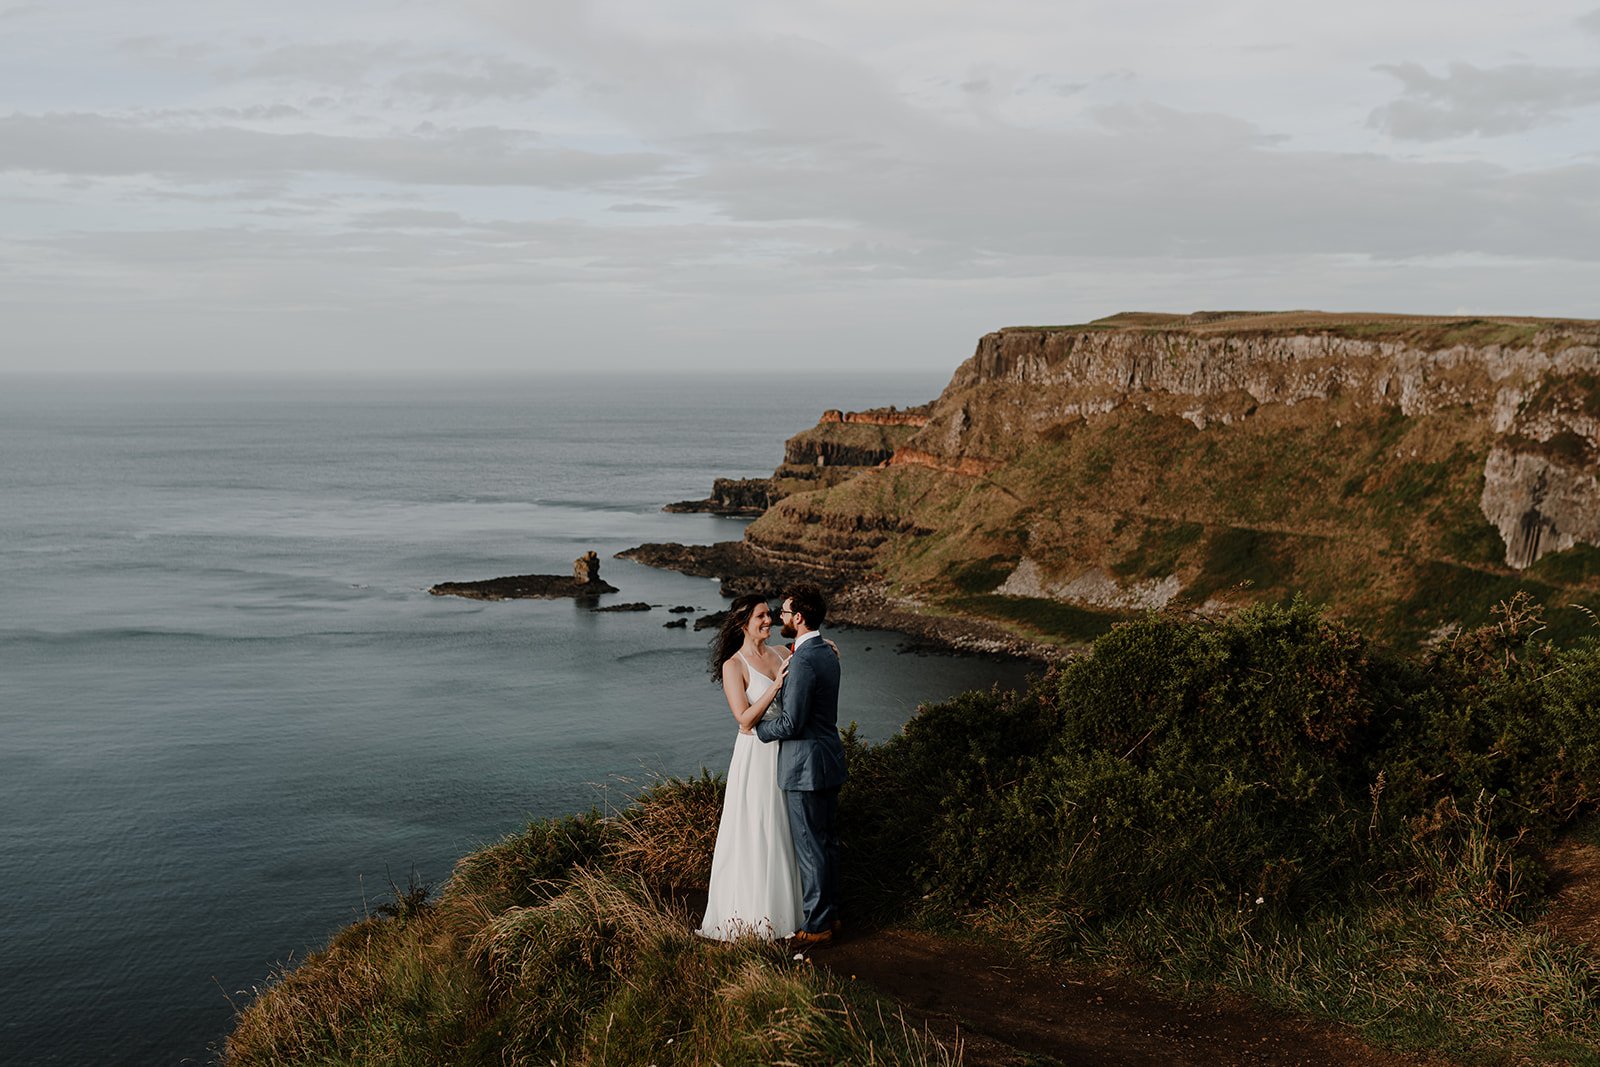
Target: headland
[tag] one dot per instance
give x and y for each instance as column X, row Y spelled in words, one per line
column 1406, row 471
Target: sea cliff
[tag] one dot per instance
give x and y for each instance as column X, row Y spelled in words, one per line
column 1407, row 471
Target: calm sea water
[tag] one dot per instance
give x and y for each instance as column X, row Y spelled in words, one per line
column 231, row 712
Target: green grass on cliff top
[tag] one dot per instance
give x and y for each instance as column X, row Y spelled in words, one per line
column 1424, row 331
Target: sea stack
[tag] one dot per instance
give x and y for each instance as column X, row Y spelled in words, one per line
column 584, row 583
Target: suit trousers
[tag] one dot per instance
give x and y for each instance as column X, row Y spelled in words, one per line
column 814, row 825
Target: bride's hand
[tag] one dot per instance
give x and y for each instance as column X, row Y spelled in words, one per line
column 783, row 672
column 831, row 645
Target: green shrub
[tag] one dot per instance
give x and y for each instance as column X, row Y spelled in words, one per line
column 1185, row 758
column 1274, row 755
column 1512, row 717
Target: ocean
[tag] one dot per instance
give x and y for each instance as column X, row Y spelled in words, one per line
column 231, row 713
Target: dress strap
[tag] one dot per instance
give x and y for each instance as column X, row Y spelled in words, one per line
column 751, row 667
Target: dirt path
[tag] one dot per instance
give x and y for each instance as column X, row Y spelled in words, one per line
column 1008, row 1013
column 1575, row 891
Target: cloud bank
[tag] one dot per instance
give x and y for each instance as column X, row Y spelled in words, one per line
column 495, row 186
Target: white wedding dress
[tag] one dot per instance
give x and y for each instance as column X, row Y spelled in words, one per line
column 755, row 883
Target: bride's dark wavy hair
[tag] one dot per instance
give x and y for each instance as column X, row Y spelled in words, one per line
column 731, row 634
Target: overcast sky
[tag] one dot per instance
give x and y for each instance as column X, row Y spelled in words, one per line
column 388, row 185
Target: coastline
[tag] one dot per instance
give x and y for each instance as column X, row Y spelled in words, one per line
column 871, row 605
column 864, row 603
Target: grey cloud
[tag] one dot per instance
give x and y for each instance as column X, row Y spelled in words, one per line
column 336, row 63
column 443, row 76
column 413, row 218
column 1146, row 119
column 446, row 77
column 167, row 52
column 1488, row 102
column 398, row 260
column 88, row 144
column 1155, row 183
column 778, row 180
column 248, row 193
column 1591, row 21
column 258, row 112
column 485, row 79
column 818, row 138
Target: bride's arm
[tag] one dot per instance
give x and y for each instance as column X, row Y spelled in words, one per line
column 744, row 712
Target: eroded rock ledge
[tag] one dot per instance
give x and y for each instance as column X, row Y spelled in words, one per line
column 841, row 443
column 733, row 497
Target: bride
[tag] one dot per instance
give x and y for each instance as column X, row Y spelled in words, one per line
column 755, row 883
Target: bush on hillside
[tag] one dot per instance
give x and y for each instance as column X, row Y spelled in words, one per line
column 1275, row 755
column 1512, row 717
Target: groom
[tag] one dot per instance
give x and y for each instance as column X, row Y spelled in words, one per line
column 805, row 717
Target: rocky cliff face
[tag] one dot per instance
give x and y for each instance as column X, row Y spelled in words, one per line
column 1408, row 471
column 1534, row 384
column 731, row 496
column 824, row 456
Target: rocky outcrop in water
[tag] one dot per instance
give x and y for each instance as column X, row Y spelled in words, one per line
column 728, row 561
column 734, row 497
column 585, row 582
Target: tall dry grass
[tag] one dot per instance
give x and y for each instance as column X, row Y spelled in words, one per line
column 667, row 835
column 549, row 947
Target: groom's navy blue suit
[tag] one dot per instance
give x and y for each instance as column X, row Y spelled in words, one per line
column 805, row 717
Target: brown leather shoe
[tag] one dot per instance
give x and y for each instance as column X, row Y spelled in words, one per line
column 807, row 939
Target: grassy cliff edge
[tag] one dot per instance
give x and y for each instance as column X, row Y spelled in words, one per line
column 1268, row 804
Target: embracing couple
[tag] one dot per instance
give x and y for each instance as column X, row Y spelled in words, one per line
column 775, row 871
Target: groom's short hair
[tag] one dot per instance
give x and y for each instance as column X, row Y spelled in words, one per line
column 809, row 602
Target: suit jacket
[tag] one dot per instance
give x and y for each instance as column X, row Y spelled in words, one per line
column 805, row 717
